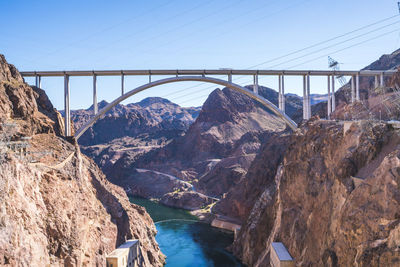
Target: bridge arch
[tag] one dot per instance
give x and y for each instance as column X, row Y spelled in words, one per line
column 228, row 84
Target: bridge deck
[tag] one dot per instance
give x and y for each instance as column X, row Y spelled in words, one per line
column 206, row 72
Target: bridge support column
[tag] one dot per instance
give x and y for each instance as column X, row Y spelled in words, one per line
column 352, row 89
column 329, row 111
column 333, row 94
column 376, row 81
column 304, row 97
column 358, row 87
column 95, row 107
column 67, row 116
column 38, row 81
column 230, row 77
column 382, row 81
column 308, row 98
column 282, row 93
column 122, row 83
column 255, row 85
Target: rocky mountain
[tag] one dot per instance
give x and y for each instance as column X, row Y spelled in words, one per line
column 213, row 155
column 333, row 200
column 57, row 208
column 150, row 119
column 222, row 142
column 136, row 127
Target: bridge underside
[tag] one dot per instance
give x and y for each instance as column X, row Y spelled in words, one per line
column 233, row 86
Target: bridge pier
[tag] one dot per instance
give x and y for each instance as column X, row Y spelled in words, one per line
column 308, row 98
column 382, row 82
column 352, row 89
column 95, row 107
column 67, row 115
column 282, row 92
column 358, row 87
column 333, row 94
column 230, row 77
column 255, row 85
column 122, row 83
column 38, row 81
column 304, row 97
column 376, row 81
column 329, row 111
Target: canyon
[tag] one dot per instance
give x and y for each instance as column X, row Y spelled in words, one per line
column 298, row 188
column 328, row 190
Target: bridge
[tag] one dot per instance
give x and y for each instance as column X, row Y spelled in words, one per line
column 204, row 76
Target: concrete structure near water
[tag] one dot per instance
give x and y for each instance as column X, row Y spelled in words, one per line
column 128, row 254
column 280, row 257
column 221, row 224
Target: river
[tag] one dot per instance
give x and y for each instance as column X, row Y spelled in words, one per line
column 186, row 241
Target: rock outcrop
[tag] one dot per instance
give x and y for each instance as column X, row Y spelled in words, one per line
column 132, row 129
column 56, row 206
column 333, row 201
column 216, row 151
column 240, row 200
column 186, row 200
column 152, row 118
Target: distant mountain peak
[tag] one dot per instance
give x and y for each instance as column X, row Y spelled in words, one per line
column 154, row 100
column 100, row 105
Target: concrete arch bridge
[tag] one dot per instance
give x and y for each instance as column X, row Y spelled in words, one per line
column 204, row 76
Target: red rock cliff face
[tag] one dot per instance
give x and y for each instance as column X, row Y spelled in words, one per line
column 60, row 211
column 323, row 215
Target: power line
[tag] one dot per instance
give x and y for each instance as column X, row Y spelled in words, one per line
column 268, row 15
column 326, row 41
column 348, row 47
column 333, row 45
column 155, row 24
column 193, row 21
column 219, row 24
column 312, row 46
column 87, row 37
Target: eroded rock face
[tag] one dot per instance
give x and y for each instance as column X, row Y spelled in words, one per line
column 186, row 200
column 216, row 151
column 315, row 208
column 153, row 118
column 60, row 211
column 239, row 201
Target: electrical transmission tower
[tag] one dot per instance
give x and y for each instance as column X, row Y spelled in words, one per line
column 334, row 65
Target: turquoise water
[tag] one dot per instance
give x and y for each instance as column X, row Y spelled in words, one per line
column 160, row 212
column 186, row 241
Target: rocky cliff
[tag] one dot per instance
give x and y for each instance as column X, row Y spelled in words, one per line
column 135, row 128
column 240, row 199
column 214, row 154
column 57, row 208
column 333, row 201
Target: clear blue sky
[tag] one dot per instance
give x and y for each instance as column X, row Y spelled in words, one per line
column 71, row 35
